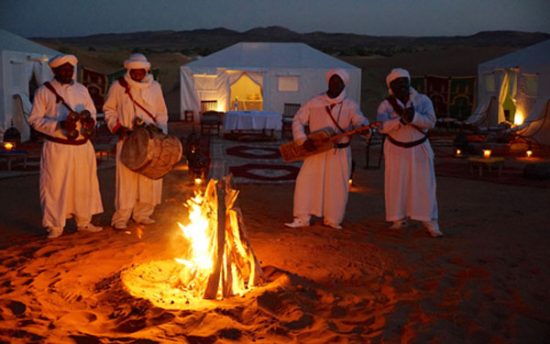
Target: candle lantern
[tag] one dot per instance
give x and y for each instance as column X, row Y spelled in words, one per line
column 486, row 153
column 8, row 146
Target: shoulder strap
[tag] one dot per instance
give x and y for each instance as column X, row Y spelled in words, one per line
column 126, row 86
column 396, row 107
column 58, row 98
column 329, row 108
column 399, row 110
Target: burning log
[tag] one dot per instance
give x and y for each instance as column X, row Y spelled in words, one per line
column 232, row 267
column 236, row 266
column 219, row 261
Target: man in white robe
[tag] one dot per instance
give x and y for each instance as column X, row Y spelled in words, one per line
column 322, row 184
column 409, row 184
column 136, row 195
column 68, row 173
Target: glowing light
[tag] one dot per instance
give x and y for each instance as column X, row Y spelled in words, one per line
column 519, row 118
column 458, row 152
column 9, row 146
column 529, row 153
column 350, row 181
column 198, row 181
column 486, row 153
column 214, row 261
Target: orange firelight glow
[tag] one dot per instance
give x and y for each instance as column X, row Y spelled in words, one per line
column 486, row 153
column 215, row 259
column 9, row 146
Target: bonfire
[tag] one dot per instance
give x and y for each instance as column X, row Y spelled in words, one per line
column 218, row 261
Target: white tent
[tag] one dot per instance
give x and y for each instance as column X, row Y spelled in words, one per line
column 20, row 60
column 516, row 88
column 259, row 76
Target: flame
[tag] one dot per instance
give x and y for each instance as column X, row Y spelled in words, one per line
column 234, row 262
column 9, row 146
column 519, row 118
column 217, row 261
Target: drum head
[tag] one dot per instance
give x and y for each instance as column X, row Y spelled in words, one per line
column 134, row 150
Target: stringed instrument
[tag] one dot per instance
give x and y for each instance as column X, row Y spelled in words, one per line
column 323, row 140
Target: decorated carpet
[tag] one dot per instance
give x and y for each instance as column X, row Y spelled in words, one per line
column 251, row 162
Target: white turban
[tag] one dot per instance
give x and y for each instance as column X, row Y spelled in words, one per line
column 341, row 73
column 137, row 61
column 397, row 73
column 60, row 60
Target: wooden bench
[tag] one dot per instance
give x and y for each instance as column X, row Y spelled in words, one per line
column 13, row 155
column 489, row 163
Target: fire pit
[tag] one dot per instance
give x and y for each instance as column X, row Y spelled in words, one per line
column 218, row 261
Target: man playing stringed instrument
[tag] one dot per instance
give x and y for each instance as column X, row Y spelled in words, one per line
column 409, row 184
column 134, row 98
column 322, row 185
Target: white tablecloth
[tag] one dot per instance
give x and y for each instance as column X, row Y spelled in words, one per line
column 252, row 120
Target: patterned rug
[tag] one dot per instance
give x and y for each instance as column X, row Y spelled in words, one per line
column 251, row 162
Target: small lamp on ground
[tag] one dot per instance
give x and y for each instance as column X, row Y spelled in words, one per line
column 529, row 152
column 458, row 152
column 8, row 146
column 12, row 138
column 487, row 153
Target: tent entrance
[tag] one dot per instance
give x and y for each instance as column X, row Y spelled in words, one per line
column 507, row 95
column 246, row 95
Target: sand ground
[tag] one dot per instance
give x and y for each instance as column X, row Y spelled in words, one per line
column 486, row 281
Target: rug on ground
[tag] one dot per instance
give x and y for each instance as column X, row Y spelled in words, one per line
column 251, row 162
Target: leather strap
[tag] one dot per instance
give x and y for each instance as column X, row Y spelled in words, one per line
column 124, row 84
column 329, row 111
column 342, row 145
column 407, row 144
column 65, row 141
column 400, row 111
column 58, row 98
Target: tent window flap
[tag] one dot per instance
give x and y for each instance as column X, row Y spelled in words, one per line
column 288, row 83
column 489, row 82
column 529, row 84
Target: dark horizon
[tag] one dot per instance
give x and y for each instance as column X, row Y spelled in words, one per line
column 426, row 18
column 275, row 27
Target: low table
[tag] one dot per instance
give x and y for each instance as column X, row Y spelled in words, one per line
column 13, row 155
column 489, row 163
column 241, row 121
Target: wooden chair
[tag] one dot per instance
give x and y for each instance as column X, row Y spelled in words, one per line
column 104, row 142
column 209, row 105
column 188, row 115
column 210, row 121
column 289, row 111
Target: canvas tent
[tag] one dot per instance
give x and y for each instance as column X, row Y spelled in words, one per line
column 516, row 88
column 21, row 59
column 259, row 76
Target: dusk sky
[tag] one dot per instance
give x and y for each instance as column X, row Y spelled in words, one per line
column 58, row 18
